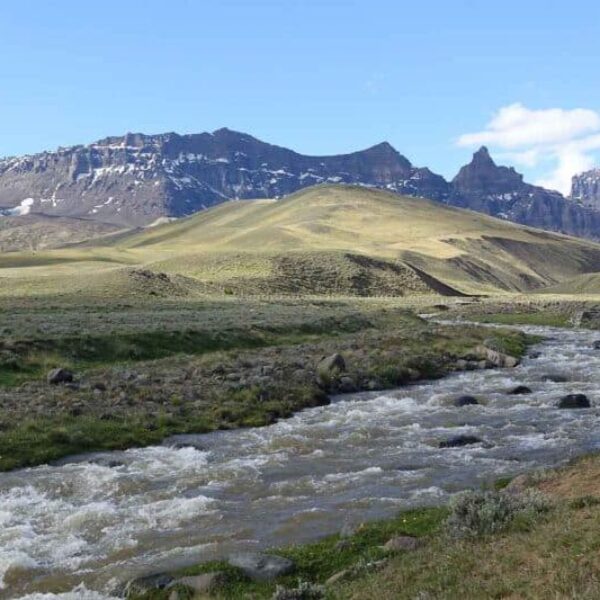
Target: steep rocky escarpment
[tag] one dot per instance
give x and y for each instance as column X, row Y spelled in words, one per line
column 139, row 179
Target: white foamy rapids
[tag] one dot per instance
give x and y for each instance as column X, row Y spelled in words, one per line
column 78, row 593
column 364, row 456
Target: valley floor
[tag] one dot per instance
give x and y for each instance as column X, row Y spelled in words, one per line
column 146, row 371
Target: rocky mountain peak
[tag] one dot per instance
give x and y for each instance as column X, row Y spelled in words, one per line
column 585, row 188
column 482, row 157
column 482, row 175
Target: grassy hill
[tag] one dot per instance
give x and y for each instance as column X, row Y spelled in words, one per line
column 333, row 240
column 586, row 284
column 39, row 232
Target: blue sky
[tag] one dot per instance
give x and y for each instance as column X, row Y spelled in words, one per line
column 322, row 76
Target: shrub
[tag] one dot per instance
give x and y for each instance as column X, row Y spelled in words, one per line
column 304, row 591
column 475, row 514
column 584, row 502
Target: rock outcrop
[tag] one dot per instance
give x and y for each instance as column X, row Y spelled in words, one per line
column 499, row 191
column 586, row 189
column 139, row 180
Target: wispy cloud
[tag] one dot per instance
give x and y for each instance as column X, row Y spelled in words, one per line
column 566, row 139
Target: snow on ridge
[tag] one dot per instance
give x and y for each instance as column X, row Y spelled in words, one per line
column 23, row 209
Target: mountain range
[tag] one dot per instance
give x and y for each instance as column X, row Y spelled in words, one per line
column 137, row 180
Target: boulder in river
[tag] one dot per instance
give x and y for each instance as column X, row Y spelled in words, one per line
column 178, row 442
column 465, row 401
column 261, row 567
column 520, row 389
column 458, row 441
column 596, row 345
column 58, row 376
column 574, row 401
column 534, row 354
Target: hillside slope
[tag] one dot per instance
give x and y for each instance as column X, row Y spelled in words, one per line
column 38, row 232
column 324, row 240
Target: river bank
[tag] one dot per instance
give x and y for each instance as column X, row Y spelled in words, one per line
column 530, row 537
column 218, row 376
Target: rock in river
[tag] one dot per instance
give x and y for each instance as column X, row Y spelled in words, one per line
column 520, row 389
column 465, row 401
column 574, row 401
column 459, row 441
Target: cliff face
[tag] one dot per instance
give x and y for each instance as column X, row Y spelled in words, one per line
column 586, row 189
column 136, row 179
column 486, row 187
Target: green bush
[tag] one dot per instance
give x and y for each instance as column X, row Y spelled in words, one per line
column 304, row 591
column 476, row 514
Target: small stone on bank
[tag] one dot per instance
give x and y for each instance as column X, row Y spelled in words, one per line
column 203, row 583
column 402, row 543
column 261, row 567
column 58, row 376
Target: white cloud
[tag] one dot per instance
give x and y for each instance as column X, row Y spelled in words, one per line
column 564, row 138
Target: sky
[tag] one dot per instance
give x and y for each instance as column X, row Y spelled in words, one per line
column 434, row 78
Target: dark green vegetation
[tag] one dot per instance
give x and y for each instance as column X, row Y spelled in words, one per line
column 145, row 372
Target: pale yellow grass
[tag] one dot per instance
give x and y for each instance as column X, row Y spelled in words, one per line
column 468, row 251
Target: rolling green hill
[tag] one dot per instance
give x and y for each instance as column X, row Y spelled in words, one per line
column 324, row 240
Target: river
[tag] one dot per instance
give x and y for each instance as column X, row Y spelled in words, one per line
column 105, row 518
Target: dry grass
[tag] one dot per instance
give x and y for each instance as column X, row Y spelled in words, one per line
column 241, row 245
column 558, row 558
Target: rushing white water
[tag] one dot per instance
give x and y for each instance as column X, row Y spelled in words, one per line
column 95, row 523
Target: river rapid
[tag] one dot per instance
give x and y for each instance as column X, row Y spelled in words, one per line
column 76, row 530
